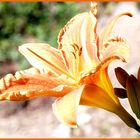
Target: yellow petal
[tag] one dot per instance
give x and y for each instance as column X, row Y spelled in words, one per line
column 97, row 97
column 65, row 108
column 88, row 40
column 33, row 83
column 115, row 47
column 108, row 28
column 101, row 79
column 43, row 56
column 69, row 36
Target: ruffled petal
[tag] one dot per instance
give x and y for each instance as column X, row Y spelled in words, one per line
column 65, row 108
column 33, row 83
column 44, row 56
column 104, row 36
column 77, row 42
column 69, row 42
column 115, row 47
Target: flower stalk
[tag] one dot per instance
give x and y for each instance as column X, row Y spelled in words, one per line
column 127, row 118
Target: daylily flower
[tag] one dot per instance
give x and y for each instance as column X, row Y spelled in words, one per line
column 75, row 73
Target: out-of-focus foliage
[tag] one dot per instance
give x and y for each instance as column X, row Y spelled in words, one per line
column 31, row 22
column 138, row 5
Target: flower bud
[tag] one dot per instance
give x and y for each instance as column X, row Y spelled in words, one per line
column 120, row 92
column 133, row 94
column 122, row 76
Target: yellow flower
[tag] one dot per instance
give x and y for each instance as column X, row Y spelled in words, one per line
column 75, row 73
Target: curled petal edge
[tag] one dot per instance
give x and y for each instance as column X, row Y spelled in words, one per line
column 32, row 83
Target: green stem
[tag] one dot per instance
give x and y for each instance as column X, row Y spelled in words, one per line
column 127, row 118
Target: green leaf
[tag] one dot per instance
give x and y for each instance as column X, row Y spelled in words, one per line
column 122, row 76
column 133, row 94
column 120, row 92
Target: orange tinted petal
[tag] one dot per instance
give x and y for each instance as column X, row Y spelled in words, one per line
column 77, row 40
column 43, row 56
column 101, row 79
column 95, row 96
column 104, row 36
column 65, row 108
column 115, row 47
column 32, row 83
column 88, row 40
column 69, row 42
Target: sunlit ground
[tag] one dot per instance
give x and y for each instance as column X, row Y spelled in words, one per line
column 35, row 118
